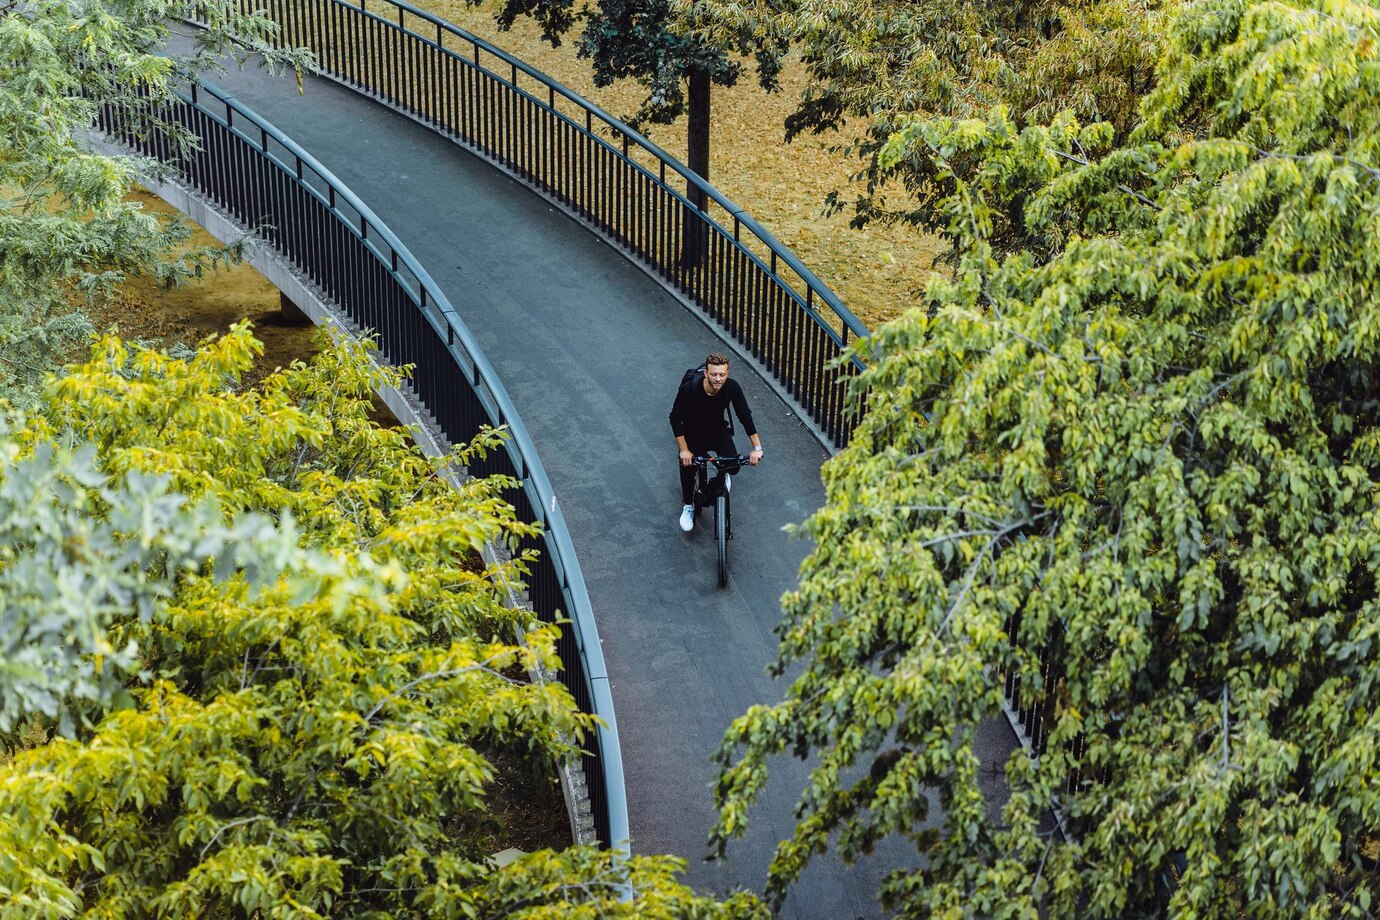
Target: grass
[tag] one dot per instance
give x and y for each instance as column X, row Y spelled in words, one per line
column 878, row 271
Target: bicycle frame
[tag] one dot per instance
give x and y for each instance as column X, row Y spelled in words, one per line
column 710, row 491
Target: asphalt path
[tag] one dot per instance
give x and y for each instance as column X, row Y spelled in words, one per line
column 591, row 350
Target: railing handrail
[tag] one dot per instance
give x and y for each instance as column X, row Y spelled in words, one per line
column 520, row 447
column 846, row 317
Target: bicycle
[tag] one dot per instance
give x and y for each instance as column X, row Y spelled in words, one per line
column 713, row 491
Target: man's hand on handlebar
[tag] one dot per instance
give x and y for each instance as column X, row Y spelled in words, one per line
column 686, row 458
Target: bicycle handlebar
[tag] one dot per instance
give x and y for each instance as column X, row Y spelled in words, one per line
column 738, row 460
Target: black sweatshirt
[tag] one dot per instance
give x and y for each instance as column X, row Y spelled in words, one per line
column 698, row 416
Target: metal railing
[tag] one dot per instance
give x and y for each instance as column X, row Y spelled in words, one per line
column 1029, row 718
column 257, row 175
column 621, row 184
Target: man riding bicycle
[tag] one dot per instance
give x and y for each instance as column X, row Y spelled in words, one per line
column 701, row 423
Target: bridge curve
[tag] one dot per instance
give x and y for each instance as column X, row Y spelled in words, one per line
column 590, row 347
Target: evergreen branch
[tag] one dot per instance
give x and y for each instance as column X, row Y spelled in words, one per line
column 973, row 566
column 942, row 509
column 1001, row 320
column 1336, row 158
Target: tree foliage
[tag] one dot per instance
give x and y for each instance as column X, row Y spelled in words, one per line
column 66, row 233
column 314, row 739
column 636, row 39
column 873, row 63
column 135, row 538
column 631, row 39
column 1146, row 442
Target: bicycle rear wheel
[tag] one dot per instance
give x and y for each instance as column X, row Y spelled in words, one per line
column 721, row 536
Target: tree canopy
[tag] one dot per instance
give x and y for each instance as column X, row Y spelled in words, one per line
column 314, row 736
column 66, row 233
column 56, row 658
column 631, row 39
column 1146, row 441
column 636, row 39
column 873, row 63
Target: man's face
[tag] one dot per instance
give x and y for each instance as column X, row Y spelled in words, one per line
column 714, row 377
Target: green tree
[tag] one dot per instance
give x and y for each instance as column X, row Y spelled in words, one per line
column 316, row 741
column 66, row 233
column 873, row 63
column 55, row 657
column 636, row 39
column 1149, row 444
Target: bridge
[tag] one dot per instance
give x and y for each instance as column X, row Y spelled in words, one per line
column 542, row 267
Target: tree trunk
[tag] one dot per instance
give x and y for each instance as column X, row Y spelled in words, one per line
column 695, row 241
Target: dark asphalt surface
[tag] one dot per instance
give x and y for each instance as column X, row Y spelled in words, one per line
column 591, row 350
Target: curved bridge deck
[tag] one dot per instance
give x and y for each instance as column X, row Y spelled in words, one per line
column 591, row 349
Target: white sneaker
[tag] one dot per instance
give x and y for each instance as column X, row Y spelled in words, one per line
column 687, row 518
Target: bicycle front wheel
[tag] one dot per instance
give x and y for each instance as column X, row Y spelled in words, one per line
column 721, row 536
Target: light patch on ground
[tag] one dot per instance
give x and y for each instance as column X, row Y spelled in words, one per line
column 144, row 310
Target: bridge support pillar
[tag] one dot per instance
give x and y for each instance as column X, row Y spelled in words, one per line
column 290, row 313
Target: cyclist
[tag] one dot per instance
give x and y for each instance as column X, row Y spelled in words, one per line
column 702, row 425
